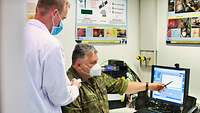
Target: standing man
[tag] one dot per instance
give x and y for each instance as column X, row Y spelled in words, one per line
column 48, row 87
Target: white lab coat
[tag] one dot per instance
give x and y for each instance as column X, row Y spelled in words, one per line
column 48, row 87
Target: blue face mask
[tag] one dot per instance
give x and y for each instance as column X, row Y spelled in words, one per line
column 57, row 29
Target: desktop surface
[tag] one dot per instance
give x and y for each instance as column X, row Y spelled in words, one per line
column 123, row 110
column 147, row 110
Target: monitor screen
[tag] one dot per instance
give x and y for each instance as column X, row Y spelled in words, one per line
column 177, row 80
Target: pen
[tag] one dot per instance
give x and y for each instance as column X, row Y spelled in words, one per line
column 168, row 83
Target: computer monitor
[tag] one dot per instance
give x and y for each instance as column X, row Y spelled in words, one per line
column 177, row 89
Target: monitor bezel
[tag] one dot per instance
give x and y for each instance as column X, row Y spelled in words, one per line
column 186, row 85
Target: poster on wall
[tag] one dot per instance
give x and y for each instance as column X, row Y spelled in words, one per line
column 183, row 22
column 101, row 21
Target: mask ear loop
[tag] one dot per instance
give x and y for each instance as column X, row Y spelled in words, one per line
column 60, row 19
column 53, row 18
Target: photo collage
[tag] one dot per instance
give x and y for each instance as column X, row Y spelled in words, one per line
column 103, row 22
column 184, row 27
column 101, row 32
column 184, row 20
column 183, row 6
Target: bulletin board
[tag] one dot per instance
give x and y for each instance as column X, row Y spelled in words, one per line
column 101, row 21
column 183, row 22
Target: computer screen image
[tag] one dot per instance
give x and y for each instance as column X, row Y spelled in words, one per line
column 177, row 83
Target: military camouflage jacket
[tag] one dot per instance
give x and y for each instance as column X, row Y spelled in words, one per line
column 93, row 93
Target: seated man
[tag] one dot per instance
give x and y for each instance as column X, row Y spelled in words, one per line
column 95, row 85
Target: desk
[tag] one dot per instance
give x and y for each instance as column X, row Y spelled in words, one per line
column 132, row 110
column 123, row 110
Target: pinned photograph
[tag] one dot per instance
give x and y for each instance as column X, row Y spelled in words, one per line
column 170, row 5
column 195, row 22
column 98, row 32
column 183, row 6
column 121, row 33
column 81, row 32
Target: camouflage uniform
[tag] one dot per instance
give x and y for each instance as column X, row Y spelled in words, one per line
column 93, row 93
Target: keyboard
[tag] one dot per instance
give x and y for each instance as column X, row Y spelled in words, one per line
column 146, row 110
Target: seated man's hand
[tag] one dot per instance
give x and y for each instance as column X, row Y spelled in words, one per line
column 76, row 82
column 84, row 70
column 156, row 86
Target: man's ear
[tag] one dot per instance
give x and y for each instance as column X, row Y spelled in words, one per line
column 78, row 62
column 54, row 12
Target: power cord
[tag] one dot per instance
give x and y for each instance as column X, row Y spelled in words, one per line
column 134, row 75
column 198, row 107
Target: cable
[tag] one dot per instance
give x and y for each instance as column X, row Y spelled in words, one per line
column 181, row 109
column 134, row 75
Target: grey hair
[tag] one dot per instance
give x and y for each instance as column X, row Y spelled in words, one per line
column 81, row 50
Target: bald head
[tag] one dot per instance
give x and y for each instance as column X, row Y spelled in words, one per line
column 44, row 6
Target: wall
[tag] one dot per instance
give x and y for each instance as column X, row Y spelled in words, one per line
column 11, row 53
column 124, row 52
column 148, row 22
column 148, row 32
column 0, row 59
column 187, row 56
